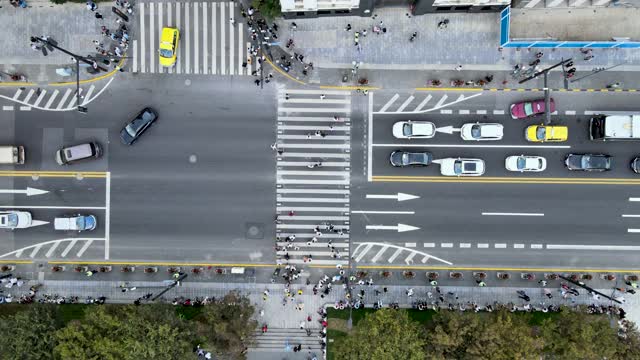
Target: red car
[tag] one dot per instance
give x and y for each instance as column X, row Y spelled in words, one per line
column 526, row 109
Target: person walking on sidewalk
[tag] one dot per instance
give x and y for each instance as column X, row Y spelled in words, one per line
column 91, row 5
column 459, row 67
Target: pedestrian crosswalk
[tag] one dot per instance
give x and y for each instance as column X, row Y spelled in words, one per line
column 52, row 98
column 313, row 175
column 212, row 38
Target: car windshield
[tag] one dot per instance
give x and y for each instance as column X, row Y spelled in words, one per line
column 415, row 158
column 528, row 109
column 475, row 131
column 522, row 163
column 457, row 167
column 10, row 220
column 540, row 132
column 594, row 162
column 166, row 53
column 80, row 222
column 133, row 127
column 406, row 130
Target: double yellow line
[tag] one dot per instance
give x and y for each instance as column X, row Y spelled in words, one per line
column 61, row 174
column 507, row 180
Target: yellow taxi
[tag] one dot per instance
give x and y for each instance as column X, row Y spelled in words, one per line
column 168, row 46
column 546, row 133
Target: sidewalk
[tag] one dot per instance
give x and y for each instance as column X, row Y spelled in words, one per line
column 390, row 60
column 72, row 25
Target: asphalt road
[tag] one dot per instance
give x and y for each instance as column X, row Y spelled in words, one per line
column 531, row 220
column 198, row 186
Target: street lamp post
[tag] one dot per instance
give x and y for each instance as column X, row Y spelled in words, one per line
column 54, row 45
column 595, row 71
column 547, row 98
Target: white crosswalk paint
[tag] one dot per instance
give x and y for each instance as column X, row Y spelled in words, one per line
column 17, row 94
column 232, row 50
column 135, row 56
column 196, row 27
column 181, row 50
column 205, row 39
column 87, row 96
column 64, row 99
column 187, row 39
column 241, row 70
column 142, row 40
column 223, row 39
column 40, row 97
column 214, row 38
column 160, row 22
column 299, row 187
column 152, row 43
column 53, row 97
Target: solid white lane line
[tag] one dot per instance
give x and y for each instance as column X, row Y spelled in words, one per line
column 405, row 103
column 465, row 245
column 50, row 101
column 441, row 101
column 423, row 103
column 500, row 246
column 87, row 96
column 536, row 246
column 633, row 230
column 370, row 139
column 314, row 154
column 223, row 39
column 518, row 246
column 180, row 57
column 107, row 217
column 187, row 38
column 630, row 216
column 483, row 246
column 634, row 199
column 481, row 112
column 593, row 247
column 39, row 99
column 142, row 40
column 232, row 43
column 498, row 112
column 446, row 245
column 152, row 58
column 446, row 111
column 389, row 103
column 478, row 146
column 64, row 99
column 429, row 245
column 53, row 207
column 511, row 214
column 382, row 212
column 214, row 39
column 196, row 32
column 17, row 94
column 464, row 112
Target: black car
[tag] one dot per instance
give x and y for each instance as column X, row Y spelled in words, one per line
column 138, row 126
column 588, row 162
column 635, row 165
column 405, row 158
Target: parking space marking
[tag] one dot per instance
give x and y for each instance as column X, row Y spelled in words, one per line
column 633, row 230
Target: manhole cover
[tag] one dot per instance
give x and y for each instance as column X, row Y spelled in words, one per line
column 193, row 158
column 254, row 230
column 187, row 82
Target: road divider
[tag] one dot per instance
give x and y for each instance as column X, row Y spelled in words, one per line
column 508, row 180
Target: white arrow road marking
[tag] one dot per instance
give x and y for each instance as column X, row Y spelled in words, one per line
column 630, row 216
column 634, row 199
column 399, row 227
column 633, row 230
column 29, row 191
column 447, row 129
column 35, row 223
column 398, row 196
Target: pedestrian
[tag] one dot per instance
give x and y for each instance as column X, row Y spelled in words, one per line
column 542, row 283
column 322, row 96
column 302, row 324
column 632, row 284
column 91, row 5
column 481, row 283
column 348, row 28
column 433, row 283
column 233, row 21
column 98, row 15
column 294, row 26
column 257, row 82
column 459, row 67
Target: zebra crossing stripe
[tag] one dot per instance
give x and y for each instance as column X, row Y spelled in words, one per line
column 313, row 173
column 318, row 218
column 313, row 119
column 319, row 92
column 307, row 208
column 187, row 39
column 313, row 182
column 313, row 191
column 315, row 146
column 181, row 46
column 205, row 39
column 214, row 47
column 39, row 99
column 142, row 41
column 322, row 155
column 316, row 100
column 306, row 163
column 326, row 138
column 88, row 95
column 307, row 227
column 223, row 41
column 64, row 99
column 317, row 262
column 152, row 60
column 241, row 52
column 318, row 244
column 170, row 24
column 232, row 50
column 313, row 200
column 17, row 94
column 196, row 48
column 315, row 110
column 302, row 127
column 50, row 101
column 160, row 21
column 135, row 56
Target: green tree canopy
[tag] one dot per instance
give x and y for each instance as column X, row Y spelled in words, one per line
column 383, row 335
column 28, row 334
column 270, row 9
column 125, row 333
column 227, row 324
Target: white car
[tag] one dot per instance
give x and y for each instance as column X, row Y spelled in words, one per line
column 414, row 129
column 524, row 163
column 14, row 219
column 461, row 167
column 481, row 131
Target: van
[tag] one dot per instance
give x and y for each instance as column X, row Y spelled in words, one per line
column 10, row 155
column 71, row 154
